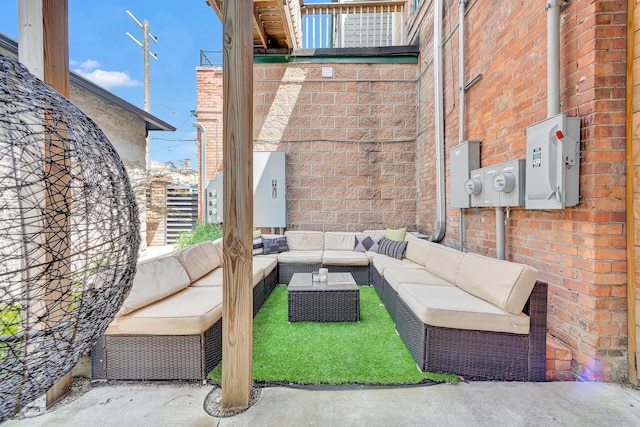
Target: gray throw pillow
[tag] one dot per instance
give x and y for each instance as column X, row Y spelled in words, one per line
column 274, row 245
column 392, row 248
column 366, row 243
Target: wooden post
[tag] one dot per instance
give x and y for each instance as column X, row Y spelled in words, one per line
column 44, row 49
column 237, row 312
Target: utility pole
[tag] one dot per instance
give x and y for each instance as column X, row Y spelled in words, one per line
column 147, row 54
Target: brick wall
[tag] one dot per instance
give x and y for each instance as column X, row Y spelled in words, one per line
column 350, row 140
column 579, row 251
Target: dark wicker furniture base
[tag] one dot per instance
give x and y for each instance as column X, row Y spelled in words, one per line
column 360, row 273
column 270, row 282
column 376, row 280
column 258, row 297
column 286, row 271
column 480, row 354
column 322, row 303
column 157, row 357
column 389, row 299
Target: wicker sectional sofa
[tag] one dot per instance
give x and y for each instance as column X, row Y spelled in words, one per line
column 457, row 312
column 170, row 325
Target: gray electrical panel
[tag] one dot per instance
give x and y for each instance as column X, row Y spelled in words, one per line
column 473, row 187
column 553, row 163
column 510, row 183
column 269, row 191
column 463, row 158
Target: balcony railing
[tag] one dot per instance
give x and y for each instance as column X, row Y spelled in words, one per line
column 353, row 24
column 210, row 58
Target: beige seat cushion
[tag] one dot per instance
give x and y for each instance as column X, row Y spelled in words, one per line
column 300, row 257
column 268, row 263
column 451, row 307
column 442, row 261
column 505, row 284
column 216, row 277
column 345, row 258
column 305, row 240
column 189, row 312
column 155, row 279
column 419, row 276
column 339, row 241
column 382, row 262
column 199, row 259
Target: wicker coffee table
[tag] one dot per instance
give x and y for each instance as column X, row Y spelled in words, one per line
column 336, row 300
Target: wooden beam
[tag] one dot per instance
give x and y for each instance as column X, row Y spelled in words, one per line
column 44, row 49
column 237, row 309
column 287, row 24
column 259, row 27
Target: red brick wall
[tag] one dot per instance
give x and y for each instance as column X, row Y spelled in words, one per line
column 579, row 251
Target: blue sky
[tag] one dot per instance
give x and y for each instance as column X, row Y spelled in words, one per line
column 100, row 50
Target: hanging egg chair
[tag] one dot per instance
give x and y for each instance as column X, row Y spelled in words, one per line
column 68, row 236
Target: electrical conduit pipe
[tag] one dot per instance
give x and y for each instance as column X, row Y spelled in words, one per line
column 438, row 235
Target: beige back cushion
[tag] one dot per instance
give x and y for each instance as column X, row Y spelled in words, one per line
column 155, row 279
column 218, row 245
column 339, row 241
column 199, row 259
column 374, row 233
column 506, row 284
column 442, row 261
column 305, row 240
column 416, row 249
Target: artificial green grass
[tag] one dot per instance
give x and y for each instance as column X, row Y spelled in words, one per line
column 365, row 352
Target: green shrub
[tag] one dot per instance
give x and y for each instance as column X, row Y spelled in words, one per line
column 201, row 233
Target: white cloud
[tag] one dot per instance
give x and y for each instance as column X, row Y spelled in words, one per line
column 106, row 79
column 90, row 64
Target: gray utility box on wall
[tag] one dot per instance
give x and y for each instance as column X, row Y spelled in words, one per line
column 269, row 191
column 553, row 163
column 463, row 158
column 499, row 185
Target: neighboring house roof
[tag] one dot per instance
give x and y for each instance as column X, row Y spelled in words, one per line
column 152, row 122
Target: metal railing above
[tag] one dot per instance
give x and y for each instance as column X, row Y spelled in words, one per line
column 210, row 58
column 353, row 24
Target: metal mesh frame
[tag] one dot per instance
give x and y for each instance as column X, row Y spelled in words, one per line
column 480, row 354
column 69, row 238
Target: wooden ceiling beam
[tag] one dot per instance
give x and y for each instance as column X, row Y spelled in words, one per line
column 286, row 22
column 259, row 27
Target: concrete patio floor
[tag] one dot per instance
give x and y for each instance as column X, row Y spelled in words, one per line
column 465, row 404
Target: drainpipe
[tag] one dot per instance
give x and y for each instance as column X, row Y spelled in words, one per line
column 203, row 171
column 461, row 90
column 553, row 58
column 438, row 235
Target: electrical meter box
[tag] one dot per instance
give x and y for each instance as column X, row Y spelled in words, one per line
column 473, row 187
column 491, row 196
column 509, row 182
column 463, row 158
column 214, row 200
column 553, row 163
column 269, row 191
